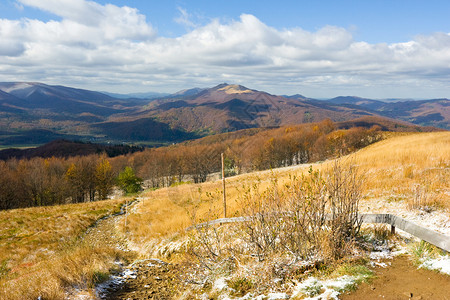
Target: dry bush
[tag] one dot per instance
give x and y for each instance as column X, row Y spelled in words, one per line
column 312, row 217
column 307, row 198
column 266, row 225
column 344, row 184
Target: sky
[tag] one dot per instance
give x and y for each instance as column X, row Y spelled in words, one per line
column 321, row 49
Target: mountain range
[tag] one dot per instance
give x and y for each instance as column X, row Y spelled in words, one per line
column 36, row 113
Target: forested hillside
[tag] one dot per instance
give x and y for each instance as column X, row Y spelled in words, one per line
column 48, row 181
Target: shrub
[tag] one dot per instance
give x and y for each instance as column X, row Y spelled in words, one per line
column 128, row 181
column 314, row 215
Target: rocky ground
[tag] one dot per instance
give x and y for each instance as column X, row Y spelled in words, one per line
column 152, row 279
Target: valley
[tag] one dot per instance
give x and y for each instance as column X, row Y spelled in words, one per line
column 237, row 150
column 36, row 113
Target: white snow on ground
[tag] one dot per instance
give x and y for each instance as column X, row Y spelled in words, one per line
column 115, row 281
column 220, row 284
column 276, row 296
column 441, row 264
column 383, row 252
column 312, row 287
column 436, row 220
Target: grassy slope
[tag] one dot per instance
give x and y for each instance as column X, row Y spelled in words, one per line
column 40, row 253
column 399, row 165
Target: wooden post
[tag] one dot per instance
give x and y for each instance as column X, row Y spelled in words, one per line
column 126, row 214
column 223, row 182
column 392, row 229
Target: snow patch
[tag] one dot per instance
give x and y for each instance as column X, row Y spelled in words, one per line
column 315, row 289
column 220, row 284
column 277, row 296
column 441, row 264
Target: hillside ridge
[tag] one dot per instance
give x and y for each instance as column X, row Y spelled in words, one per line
column 37, row 113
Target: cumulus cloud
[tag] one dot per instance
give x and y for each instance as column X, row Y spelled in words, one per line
column 94, row 44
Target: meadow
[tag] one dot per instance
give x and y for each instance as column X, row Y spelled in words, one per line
column 43, row 251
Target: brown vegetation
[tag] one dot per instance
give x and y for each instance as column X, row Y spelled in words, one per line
column 38, row 182
column 42, row 255
column 393, row 169
column 262, row 150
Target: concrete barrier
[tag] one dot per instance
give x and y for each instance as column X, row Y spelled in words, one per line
column 438, row 239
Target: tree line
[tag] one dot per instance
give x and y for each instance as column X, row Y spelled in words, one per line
column 259, row 150
column 49, row 181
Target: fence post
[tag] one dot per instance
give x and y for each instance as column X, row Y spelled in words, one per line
column 223, row 183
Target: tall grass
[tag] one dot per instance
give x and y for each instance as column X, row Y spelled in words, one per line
column 414, row 168
column 42, row 255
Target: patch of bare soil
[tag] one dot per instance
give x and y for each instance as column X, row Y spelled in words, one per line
column 402, row 280
column 154, row 279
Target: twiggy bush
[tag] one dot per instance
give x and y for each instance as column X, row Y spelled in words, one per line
column 343, row 184
column 306, row 216
column 267, row 224
column 313, row 215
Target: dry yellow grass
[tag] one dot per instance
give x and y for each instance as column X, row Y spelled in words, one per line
column 40, row 254
column 414, row 167
column 166, row 211
column 400, row 166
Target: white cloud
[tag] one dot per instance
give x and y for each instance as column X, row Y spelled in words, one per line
column 93, row 46
column 184, row 18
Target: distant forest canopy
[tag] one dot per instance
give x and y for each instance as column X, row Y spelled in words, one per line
column 66, row 148
column 49, row 181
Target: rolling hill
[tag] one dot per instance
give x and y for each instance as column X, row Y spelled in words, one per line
column 36, row 113
column 434, row 112
column 65, row 148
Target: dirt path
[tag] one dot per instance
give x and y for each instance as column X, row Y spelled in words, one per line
column 153, row 279
column 402, row 280
column 105, row 233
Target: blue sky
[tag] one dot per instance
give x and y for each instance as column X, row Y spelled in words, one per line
column 373, row 49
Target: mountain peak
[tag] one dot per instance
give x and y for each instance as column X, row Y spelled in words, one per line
column 233, row 89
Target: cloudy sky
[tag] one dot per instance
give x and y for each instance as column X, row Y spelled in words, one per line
column 378, row 49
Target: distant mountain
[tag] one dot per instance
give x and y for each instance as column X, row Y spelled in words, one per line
column 298, row 97
column 137, row 96
column 229, row 107
column 357, row 101
column 434, row 112
column 36, row 113
column 186, row 93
